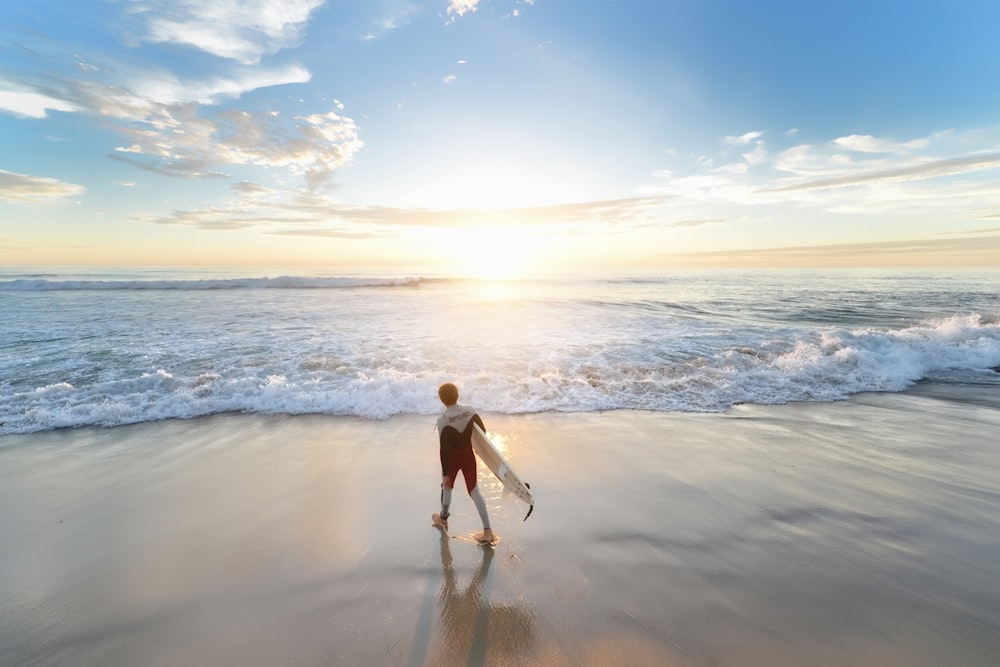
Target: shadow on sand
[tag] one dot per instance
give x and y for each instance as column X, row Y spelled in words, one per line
column 471, row 626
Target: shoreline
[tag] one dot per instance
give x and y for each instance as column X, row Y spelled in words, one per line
column 854, row 532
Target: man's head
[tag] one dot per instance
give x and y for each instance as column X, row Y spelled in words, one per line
column 448, row 393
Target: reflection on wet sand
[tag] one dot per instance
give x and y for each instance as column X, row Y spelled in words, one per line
column 473, row 630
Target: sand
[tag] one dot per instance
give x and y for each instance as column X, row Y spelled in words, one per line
column 865, row 532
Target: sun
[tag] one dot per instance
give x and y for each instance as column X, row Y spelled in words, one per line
column 495, row 253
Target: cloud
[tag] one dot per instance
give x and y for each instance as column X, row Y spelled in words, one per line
column 929, row 181
column 186, row 140
column 865, row 143
column 743, row 139
column 165, row 88
column 988, row 230
column 757, row 156
column 332, row 233
column 451, row 78
column 395, row 17
column 695, row 223
column 31, row 104
column 240, row 30
column 461, row 7
column 943, row 252
column 315, row 214
column 24, row 188
column 934, row 169
column 171, row 126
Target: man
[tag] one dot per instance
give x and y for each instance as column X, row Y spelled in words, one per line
column 455, row 434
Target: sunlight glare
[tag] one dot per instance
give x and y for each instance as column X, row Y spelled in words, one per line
column 493, row 253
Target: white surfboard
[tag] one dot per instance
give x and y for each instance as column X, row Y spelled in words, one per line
column 490, row 455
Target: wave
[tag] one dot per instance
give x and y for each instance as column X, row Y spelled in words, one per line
column 775, row 367
column 279, row 282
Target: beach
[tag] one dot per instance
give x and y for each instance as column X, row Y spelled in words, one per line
column 858, row 532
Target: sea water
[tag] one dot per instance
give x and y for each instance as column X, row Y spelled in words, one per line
column 117, row 346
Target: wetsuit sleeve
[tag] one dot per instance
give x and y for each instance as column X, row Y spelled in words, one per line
column 477, row 420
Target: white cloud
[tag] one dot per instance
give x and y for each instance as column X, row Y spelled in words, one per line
column 461, row 7
column 865, row 143
column 24, row 188
column 170, row 127
column 925, row 170
column 451, row 78
column 167, row 121
column 31, row 104
column 743, row 139
column 184, row 141
column 240, row 30
column 314, row 214
column 807, row 159
column 943, row 176
column 394, row 18
column 165, row 88
column 757, row 156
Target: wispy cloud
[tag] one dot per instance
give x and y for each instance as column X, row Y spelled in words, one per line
column 240, row 30
column 174, row 123
column 180, row 140
column 967, row 232
column 743, row 139
column 315, row 214
column 902, row 252
column 23, row 188
column 166, row 88
column 31, row 104
column 865, row 143
column 394, row 18
column 856, row 174
column 933, row 169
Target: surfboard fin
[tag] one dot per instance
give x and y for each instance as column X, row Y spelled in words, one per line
column 531, row 508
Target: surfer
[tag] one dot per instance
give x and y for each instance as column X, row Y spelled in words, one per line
column 454, row 428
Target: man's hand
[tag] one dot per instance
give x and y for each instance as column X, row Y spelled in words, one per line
column 444, row 481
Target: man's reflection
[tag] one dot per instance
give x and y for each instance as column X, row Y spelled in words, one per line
column 471, row 625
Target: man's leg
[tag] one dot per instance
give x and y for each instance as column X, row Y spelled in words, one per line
column 445, row 501
column 480, row 502
column 469, row 473
column 441, row 520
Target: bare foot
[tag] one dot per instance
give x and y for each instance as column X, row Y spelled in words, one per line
column 438, row 521
column 485, row 537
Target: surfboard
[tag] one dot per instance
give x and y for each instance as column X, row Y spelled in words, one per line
column 491, row 457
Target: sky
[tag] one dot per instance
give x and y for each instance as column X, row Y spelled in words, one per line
column 500, row 136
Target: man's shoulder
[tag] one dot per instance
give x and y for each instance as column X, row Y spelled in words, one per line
column 456, row 416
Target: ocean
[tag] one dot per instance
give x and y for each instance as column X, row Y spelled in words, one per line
column 105, row 347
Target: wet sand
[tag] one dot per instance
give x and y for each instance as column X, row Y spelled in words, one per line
column 864, row 532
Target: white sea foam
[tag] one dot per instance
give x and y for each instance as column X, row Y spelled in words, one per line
column 74, row 358
column 280, row 282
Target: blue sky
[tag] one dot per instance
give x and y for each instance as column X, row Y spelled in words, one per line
column 551, row 133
